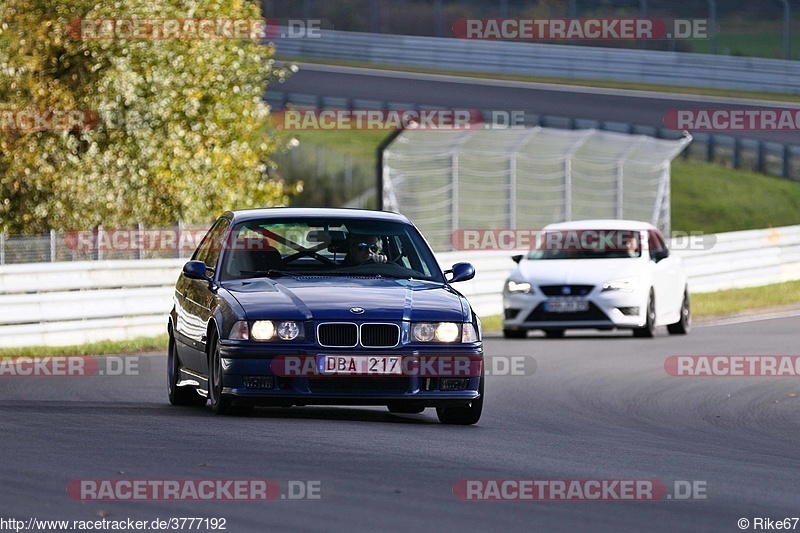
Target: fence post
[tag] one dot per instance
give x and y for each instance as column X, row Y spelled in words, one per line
column 737, row 147
column 512, row 191
column 787, row 30
column 2, row 248
column 100, row 243
column 140, row 248
column 712, row 14
column 618, row 190
column 375, row 16
column 178, row 249
column 454, row 192
column 761, row 157
column 439, row 15
column 52, row 246
column 568, row 188
column 785, row 163
column 710, row 148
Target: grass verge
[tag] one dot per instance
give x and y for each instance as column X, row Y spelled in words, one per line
column 712, row 198
column 716, row 304
column 138, row 345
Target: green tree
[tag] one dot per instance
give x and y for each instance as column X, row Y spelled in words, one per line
column 182, row 131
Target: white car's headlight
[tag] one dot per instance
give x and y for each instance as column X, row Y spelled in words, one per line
column 622, row 284
column 518, row 286
column 437, row 331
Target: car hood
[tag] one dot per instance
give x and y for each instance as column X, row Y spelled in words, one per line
column 578, row 271
column 331, row 298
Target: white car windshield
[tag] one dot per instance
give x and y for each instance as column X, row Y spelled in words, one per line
column 587, row 244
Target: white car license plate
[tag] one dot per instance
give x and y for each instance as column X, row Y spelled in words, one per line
column 366, row 365
column 566, row 306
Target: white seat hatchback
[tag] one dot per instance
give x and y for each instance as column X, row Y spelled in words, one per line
column 597, row 274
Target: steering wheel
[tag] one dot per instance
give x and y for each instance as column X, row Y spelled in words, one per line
column 371, row 259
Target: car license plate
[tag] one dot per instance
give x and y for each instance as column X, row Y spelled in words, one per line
column 365, row 365
column 566, row 306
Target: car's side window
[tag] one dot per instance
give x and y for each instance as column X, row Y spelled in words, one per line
column 657, row 244
column 211, row 246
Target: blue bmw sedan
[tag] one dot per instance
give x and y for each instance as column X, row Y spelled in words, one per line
column 285, row 307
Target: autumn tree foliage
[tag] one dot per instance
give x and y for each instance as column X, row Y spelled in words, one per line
column 114, row 131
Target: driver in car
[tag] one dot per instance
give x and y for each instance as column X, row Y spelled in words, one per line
column 364, row 249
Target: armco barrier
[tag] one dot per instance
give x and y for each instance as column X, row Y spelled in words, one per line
column 80, row 302
column 573, row 62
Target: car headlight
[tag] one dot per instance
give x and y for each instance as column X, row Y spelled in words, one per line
column 437, row 331
column 518, row 286
column 262, row 330
column 622, row 284
column 265, row 330
column 423, row 332
column 288, row 330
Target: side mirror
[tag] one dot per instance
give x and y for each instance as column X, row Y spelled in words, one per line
column 517, row 258
column 659, row 255
column 461, row 272
column 196, row 270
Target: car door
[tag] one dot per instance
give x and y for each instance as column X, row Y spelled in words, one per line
column 198, row 298
column 666, row 277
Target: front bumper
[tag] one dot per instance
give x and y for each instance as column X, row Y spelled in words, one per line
column 245, row 363
column 607, row 310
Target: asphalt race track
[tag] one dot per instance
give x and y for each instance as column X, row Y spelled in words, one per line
column 596, row 407
column 637, row 107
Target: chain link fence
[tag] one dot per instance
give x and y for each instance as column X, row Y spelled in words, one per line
column 525, row 178
column 100, row 244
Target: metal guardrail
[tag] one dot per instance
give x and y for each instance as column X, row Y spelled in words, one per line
column 75, row 303
column 562, row 61
column 738, row 259
column 79, row 302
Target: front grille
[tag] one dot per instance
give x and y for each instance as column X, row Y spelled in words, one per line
column 358, row 384
column 380, row 335
column 566, row 290
column 338, row 334
column 540, row 315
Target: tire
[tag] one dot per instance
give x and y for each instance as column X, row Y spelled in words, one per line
column 515, row 333
column 554, row 333
column 463, row 416
column 220, row 405
column 405, row 409
column 649, row 329
column 179, row 395
column 684, row 325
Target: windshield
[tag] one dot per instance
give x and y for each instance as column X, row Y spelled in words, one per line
column 587, row 244
column 327, row 247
